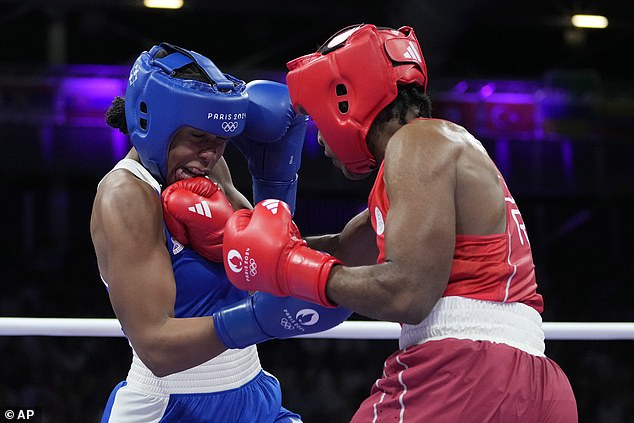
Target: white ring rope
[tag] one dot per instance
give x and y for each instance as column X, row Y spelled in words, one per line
column 32, row 326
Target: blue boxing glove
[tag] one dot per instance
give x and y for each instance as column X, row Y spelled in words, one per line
column 272, row 142
column 263, row 316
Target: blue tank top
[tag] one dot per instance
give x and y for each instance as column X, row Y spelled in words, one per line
column 202, row 286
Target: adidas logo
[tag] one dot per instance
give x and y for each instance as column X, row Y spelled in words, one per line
column 201, row 208
column 271, row 205
column 177, row 247
column 412, row 52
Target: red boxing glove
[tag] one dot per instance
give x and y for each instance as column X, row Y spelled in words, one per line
column 263, row 251
column 195, row 212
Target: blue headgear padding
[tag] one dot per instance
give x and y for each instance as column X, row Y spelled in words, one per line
column 158, row 103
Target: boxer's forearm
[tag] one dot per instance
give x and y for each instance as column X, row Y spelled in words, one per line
column 386, row 291
column 326, row 243
column 355, row 245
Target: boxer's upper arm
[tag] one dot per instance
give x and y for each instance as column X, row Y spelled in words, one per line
column 129, row 237
column 128, row 233
column 420, row 224
column 419, row 172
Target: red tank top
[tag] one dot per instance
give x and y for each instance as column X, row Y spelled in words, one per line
column 485, row 267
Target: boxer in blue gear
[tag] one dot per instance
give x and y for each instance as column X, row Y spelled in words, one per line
column 180, row 111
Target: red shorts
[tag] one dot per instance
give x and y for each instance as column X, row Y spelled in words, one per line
column 454, row 380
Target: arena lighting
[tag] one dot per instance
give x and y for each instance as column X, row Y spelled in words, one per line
column 163, row 4
column 589, row 21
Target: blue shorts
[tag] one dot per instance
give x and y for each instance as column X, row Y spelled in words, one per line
column 259, row 400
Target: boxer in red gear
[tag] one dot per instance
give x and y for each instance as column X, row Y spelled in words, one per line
column 442, row 247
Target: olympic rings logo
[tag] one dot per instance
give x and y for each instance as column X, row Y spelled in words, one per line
column 229, row 126
column 253, row 267
column 286, row 324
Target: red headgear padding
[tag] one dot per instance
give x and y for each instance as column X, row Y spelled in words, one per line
column 349, row 80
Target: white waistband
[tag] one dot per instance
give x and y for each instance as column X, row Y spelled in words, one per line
column 514, row 324
column 231, row 369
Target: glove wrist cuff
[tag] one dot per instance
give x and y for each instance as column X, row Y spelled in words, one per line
column 236, row 326
column 286, row 191
column 307, row 275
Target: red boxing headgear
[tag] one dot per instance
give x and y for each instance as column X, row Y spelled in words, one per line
column 349, row 80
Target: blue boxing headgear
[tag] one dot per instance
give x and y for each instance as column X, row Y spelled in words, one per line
column 157, row 103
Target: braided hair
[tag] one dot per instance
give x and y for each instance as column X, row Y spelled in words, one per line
column 410, row 97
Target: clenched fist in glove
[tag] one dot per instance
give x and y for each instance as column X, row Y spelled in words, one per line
column 263, row 251
column 195, row 212
column 263, row 316
column 272, row 141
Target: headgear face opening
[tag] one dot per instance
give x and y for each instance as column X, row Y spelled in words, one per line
column 349, row 80
column 157, row 103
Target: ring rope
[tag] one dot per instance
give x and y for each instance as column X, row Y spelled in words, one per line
column 36, row 326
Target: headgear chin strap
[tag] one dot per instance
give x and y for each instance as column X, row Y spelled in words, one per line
column 349, row 80
column 157, row 103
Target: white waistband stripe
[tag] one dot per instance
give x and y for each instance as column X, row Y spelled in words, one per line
column 229, row 370
column 514, row 324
